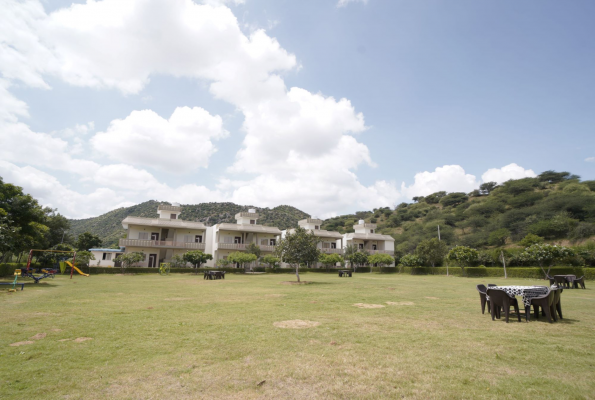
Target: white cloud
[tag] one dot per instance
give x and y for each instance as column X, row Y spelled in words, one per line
column 343, row 3
column 10, row 106
column 180, row 144
column 77, row 130
column 590, row 159
column 506, row 173
column 50, row 192
column 450, row 178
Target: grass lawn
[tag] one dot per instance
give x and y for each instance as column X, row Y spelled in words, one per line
column 183, row 337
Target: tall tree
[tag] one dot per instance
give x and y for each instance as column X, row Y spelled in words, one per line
column 197, row 258
column 299, row 247
column 87, row 241
column 431, row 251
column 464, row 256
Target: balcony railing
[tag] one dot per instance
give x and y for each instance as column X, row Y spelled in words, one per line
column 161, row 243
column 389, row 252
column 167, row 207
column 332, row 251
column 242, row 246
column 245, row 214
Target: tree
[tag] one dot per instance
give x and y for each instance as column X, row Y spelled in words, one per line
column 58, row 228
column 241, row 258
column 47, row 258
column 83, row 257
column 358, row 259
column 411, row 260
column 87, row 241
column 380, row 259
column 454, row 199
column 546, row 254
column 197, row 258
column 553, row 176
column 330, row 260
column 177, row 261
column 530, row 240
column 434, row 198
column 463, row 255
column 487, row 188
column 271, row 260
column 253, row 248
column 498, row 237
column 431, row 251
column 299, row 247
column 129, row 259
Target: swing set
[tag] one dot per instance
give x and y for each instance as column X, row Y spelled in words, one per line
column 48, row 273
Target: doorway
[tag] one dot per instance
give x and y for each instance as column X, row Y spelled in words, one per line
column 152, row 260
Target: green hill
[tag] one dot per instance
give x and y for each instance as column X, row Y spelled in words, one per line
column 109, row 225
column 556, row 206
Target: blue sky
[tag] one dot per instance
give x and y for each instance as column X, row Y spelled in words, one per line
column 452, row 94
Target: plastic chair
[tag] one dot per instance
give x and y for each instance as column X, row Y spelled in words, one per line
column 552, row 280
column 557, row 305
column 545, row 303
column 491, row 285
column 579, row 281
column 561, row 281
column 499, row 298
column 482, row 298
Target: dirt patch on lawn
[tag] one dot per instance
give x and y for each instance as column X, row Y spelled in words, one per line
column 64, row 340
column 296, row 283
column 82, row 339
column 363, row 305
column 296, row 324
column 17, row 344
column 39, row 336
column 56, row 330
column 274, row 295
column 433, row 298
column 178, row 299
column 400, row 303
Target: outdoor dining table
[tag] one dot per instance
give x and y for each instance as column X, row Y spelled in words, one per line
column 344, row 272
column 526, row 292
column 569, row 278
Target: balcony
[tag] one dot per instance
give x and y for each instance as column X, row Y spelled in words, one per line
column 244, row 214
column 242, row 247
column 166, row 207
column 161, row 244
column 332, row 251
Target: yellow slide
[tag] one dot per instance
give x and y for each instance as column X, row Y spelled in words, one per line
column 76, row 269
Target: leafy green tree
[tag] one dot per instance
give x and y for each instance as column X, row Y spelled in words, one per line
column 271, row 260
column 559, row 226
column 487, row 188
column 48, row 258
column 498, row 237
column 380, row 259
column 223, row 262
column 453, row 199
column 434, row 198
column 530, row 240
column 177, row 261
column 546, row 254
column 197, row 258
column 87, row 241
column 253, row 248
column 84, row 257
column 127, row 260
column 58, row 228
column 550, row 176
column 463, row 255
column 242, row 258
column 330, row 260
column 299, row 247
column 358, row 259
column 431, row 251
column 411, row 260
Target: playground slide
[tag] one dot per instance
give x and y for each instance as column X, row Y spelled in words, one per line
column 76, row 269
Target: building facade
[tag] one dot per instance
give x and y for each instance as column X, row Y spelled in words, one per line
column 330, row 242
column 366, row 239
column 105, row 257
column 162, row 238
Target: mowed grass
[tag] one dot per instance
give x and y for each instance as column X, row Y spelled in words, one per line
column 183, row 337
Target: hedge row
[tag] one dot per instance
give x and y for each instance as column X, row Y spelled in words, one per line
column 527, row 272
column 8, row 268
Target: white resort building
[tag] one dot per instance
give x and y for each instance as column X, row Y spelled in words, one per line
column 366, row 238
column 228, row 238
column 162, row 238
column 330, row 241
column 105, row 257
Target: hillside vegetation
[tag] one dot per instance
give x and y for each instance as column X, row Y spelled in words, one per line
column 555, row 206
column 109, row 225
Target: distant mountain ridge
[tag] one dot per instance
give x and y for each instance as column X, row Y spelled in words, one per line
column 109, row 225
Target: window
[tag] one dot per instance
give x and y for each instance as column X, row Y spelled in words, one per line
column 198, row 239
column 263, row 242
column 227, row 239
column 252, row 221
column 360, row 246
column 326, row 245
column 107, row 256
column 273, row 242
column 188, row 239
column 155, row 236
column 333, row 245
column 237, row 240
column 316, row 227
column 371, row 230
column 173, row 216
column 143, row 235
column 374, row 247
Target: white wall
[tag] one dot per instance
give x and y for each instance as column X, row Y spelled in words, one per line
column 99, row 258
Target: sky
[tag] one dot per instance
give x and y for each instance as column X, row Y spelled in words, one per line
column 331, row 106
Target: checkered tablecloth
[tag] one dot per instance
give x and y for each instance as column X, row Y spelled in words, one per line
column 526, row 292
